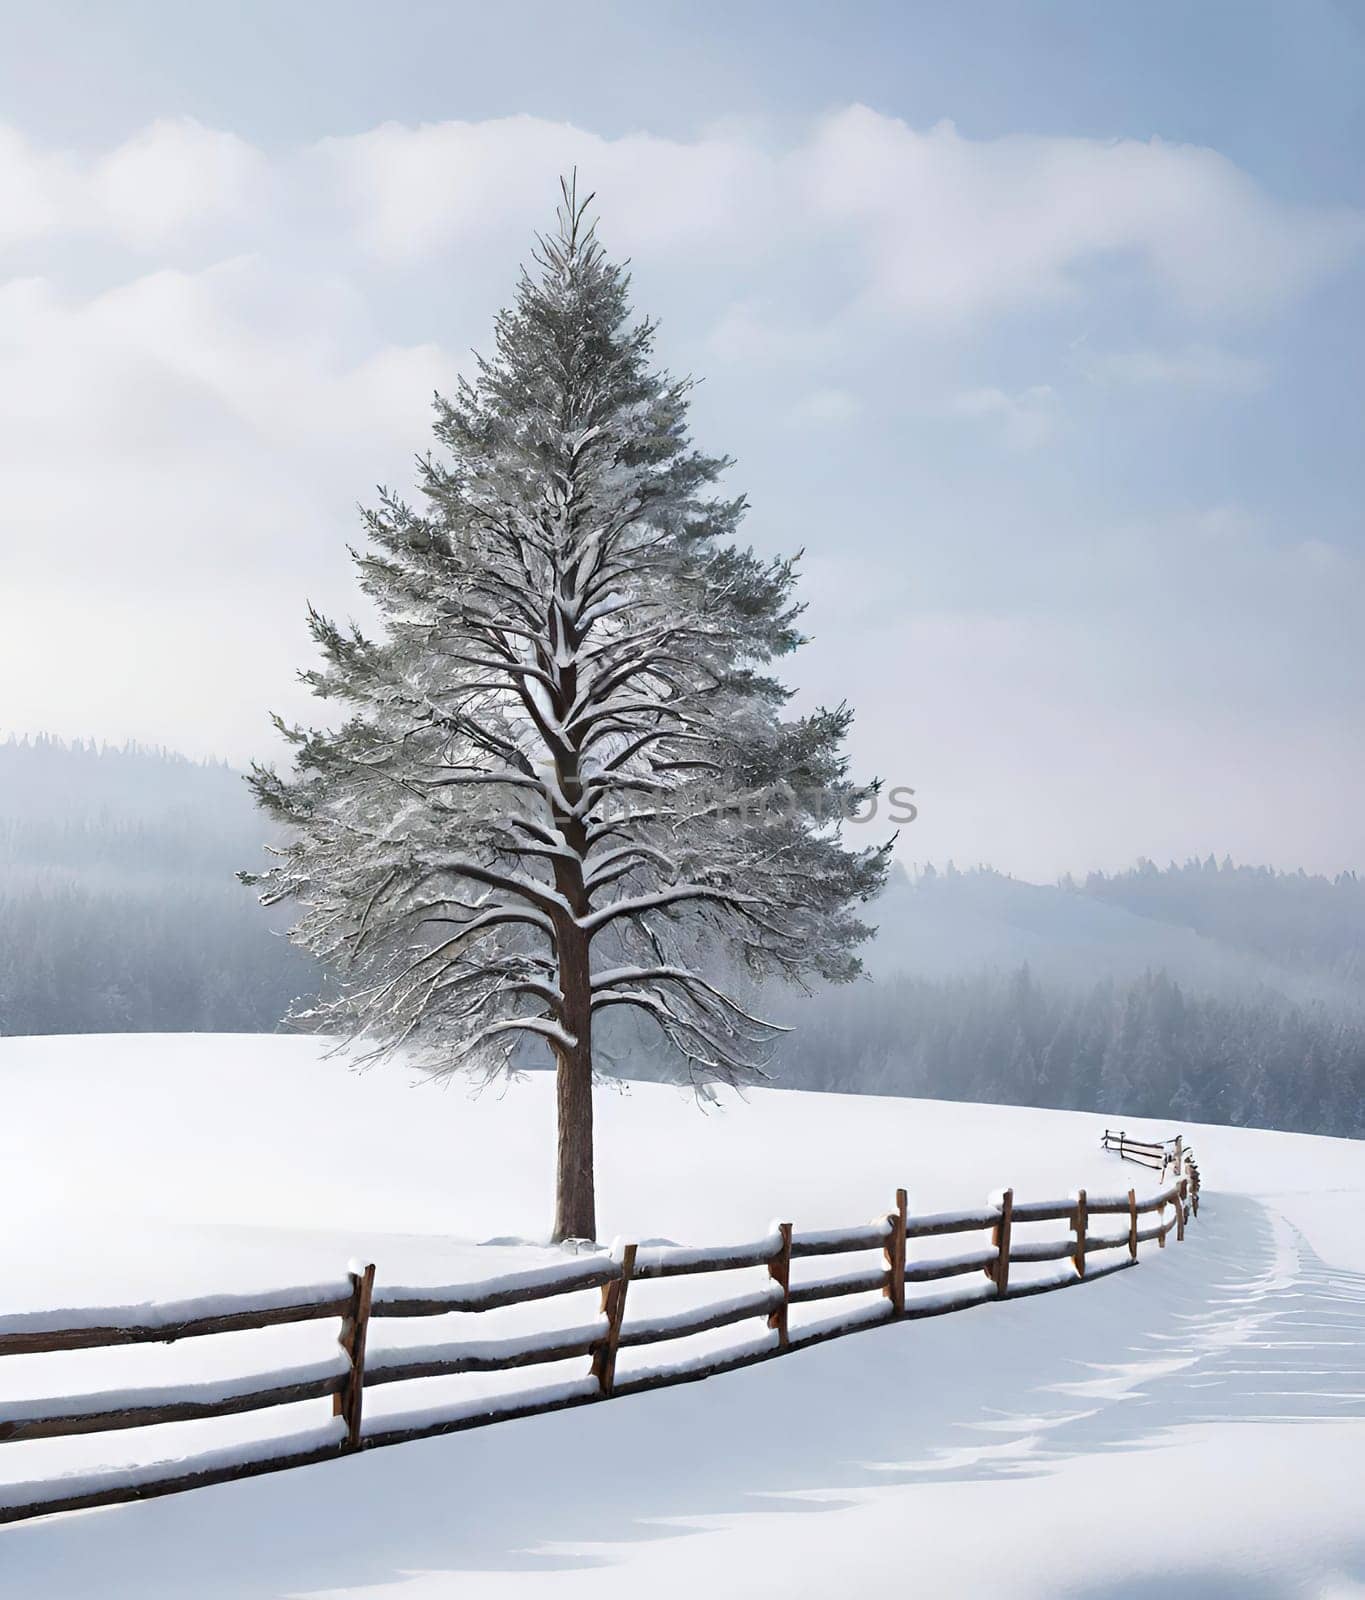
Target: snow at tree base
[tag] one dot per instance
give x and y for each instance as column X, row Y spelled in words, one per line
column 1197, row 1424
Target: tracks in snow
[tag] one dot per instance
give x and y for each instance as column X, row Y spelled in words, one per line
column 1251, row 1326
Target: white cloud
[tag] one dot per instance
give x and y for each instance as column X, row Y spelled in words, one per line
column 411, row 191
column 38, row 188
column 1028, row 417
column 158, row 189
column 1323, row 556
column 827, row 406
column 927, row 224
column 1193, row 367
column 946, row 228
column 953, row 227
column 175, row 359
column 1221, row 525
column 182, row 455
column 175, row 177
column 754, row 333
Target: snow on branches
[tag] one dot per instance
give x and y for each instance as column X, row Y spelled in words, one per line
column 552, row 794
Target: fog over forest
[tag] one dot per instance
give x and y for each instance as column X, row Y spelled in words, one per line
column 119, row 909
column 1206, row 990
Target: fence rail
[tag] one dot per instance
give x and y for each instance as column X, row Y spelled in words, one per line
column 359, row 1300
column 1159, row 1155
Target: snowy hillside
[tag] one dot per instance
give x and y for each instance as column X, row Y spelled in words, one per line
column 1203, row 1415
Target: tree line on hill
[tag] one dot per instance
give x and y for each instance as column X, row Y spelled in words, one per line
column 119, row 912
column 1139, row 1048
column 1296, row 919
column 170, row 958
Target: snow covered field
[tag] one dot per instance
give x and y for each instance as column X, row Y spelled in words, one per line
column 1201, row 1419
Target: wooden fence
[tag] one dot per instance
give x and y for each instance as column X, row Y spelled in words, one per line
column 1169, row 1155
column 905, row 1243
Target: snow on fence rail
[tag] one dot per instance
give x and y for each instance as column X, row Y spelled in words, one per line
column 1171, row 1153
column 358, row 1300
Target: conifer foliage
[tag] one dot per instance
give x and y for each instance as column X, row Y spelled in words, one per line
column 565, row 782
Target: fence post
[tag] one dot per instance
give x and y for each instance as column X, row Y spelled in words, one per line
column 1078, row 1223
column 1161, row 1222
column 894, row 1251
column 1000, row 1238
column 348, row 1401
column 1194, row 1188
column 1180, row 1209
column 1132, row 1223
column 780, row 1271
column 614, row 1309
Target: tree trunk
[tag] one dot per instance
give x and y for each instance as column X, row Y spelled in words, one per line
column 575, row 1195
column 575, row 1199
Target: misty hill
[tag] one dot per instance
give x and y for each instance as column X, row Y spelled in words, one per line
column 118, row 905
column 1305, row 922
column 1224, row 993
column 1145, row 1047
column 952, row 924
column 1211, row 991
column 86, row 812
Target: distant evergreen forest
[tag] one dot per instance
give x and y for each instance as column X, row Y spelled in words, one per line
column 1204, row 991
column 1311, row 924
column 119, row 911
column 1140, row 1048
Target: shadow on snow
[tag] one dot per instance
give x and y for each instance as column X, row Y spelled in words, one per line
column 1240, row 1323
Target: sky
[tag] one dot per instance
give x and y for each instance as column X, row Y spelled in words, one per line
column 1039, row 328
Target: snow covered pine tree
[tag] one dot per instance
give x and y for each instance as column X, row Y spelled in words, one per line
column 555, row 789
